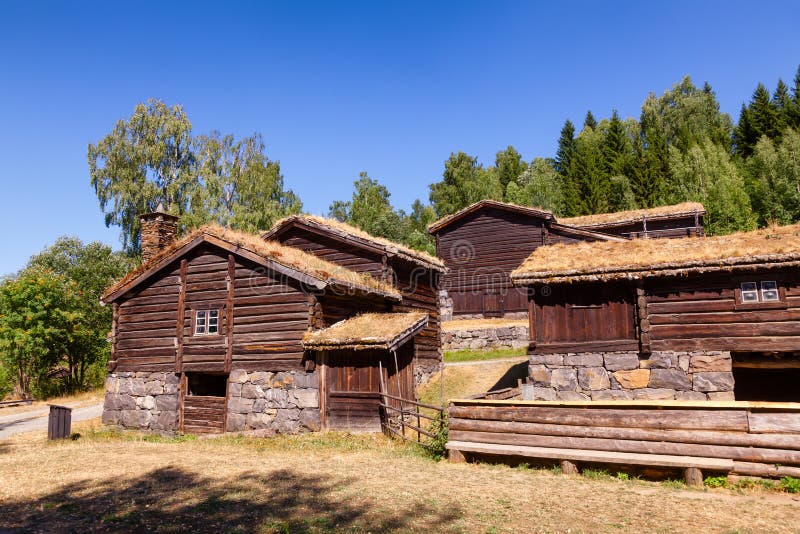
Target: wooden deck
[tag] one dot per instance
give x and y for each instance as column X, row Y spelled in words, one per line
column 744, row 438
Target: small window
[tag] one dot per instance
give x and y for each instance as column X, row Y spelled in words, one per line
column 206, row 322
column 749, row 292
column 769, row 292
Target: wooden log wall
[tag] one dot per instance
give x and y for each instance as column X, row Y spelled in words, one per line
column 702, row 313
column 656, row 228
column 760, row 439
column 145, row 337
column 333, row 250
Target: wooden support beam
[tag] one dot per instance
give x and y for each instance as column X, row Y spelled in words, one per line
column 693, row 477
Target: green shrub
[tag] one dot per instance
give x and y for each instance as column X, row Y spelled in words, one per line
column 440, row 428
column 790, row 484
column 716, row 482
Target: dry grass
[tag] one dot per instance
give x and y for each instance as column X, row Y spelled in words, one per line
column 605, row 260
column 365, row 331
column 290, row 257
column 465, row 380
column 477, row 324
column 619, row 217
column 333, row 483
column 76, row 400
column 417, row 256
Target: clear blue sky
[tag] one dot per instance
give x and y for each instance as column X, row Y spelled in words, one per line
column 390, row 88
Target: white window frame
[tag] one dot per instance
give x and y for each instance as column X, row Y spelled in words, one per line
column 765, row 291
column 769, row 291
column 206, row 322
column 750, row 293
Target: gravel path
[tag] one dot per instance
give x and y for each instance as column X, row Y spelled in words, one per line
column 37, row 419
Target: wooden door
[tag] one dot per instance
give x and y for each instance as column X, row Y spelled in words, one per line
column 352, row 389
column 492, row 303
column 203, row 403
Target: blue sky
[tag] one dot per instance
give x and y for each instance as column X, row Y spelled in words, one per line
column 387, row 87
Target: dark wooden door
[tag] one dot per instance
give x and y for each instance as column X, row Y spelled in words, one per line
column 353, row 391
column 203, row 415
column 493, row 303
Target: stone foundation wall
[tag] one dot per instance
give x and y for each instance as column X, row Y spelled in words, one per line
column 145, row 401
column 445, row 305
column 486, row 338
column 263, row 402
column 624, row 375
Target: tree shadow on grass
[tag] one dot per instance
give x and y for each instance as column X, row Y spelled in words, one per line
column 172, row 500
column 510, row 377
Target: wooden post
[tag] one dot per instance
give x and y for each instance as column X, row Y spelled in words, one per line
column 231, row 278
column 399, row 395
column 180, row 319
column 693, row 476
column 568, row 468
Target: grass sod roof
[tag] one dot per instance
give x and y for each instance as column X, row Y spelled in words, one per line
column 367, row 331
column 526, row 210
column 622, row 217
column 348, row 231
column 288, row 257
column 640, row 258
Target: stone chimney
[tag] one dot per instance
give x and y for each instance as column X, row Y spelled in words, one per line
column 158, row 230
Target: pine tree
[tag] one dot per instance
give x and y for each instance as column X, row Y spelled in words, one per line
column 566, row 148
column 784, row 105
column 795, row 119
column 589, row 121
column 616, row 155
column 589, row 185
column 763, row 114
column 743, row 136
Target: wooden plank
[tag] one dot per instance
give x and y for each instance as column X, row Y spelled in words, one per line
column 661, row 460
column 229, row 311
column 779, row 423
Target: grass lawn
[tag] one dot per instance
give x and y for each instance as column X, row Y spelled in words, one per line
column 480, row 355
column 107, row 481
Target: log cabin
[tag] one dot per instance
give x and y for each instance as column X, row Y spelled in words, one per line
column 225, row 331
column 415, row 274
column 678, row 220
column 482, row 244
column 715, row 318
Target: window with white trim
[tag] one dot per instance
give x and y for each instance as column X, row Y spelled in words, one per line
column 206, row 322
column 766, row 291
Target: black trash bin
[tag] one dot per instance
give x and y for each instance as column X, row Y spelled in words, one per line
column 59, row 425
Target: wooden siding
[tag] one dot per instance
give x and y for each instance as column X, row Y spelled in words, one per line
column 333, row 250
column 482, row 249
column 703, row 314
column 144, row 326
column 657, row 228
column 578, row 318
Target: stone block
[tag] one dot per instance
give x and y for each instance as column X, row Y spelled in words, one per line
column 256, row 421
column 235, row 422
column 167, row 403
column 287, row 421
column 309, row 419
column 171, row 389
column 261, row 378
column 234, row 389
column 546, row 359
column 620, row 361
column 584, row 360
column 307, row 380
column 277, row 398
column 709, row 363
column 669, row 379
column 654, row 394
column 564, row 379
column 172, row 378
column 154, row 387
column 660, row 360
column 147, row 402
column 119, row 402
column 137, row 387
column 632, row 379
column 540, row 374
column 571, row 396
column 611, row 394
column 304, row 398
column 240, row 405
column 112, row 384
column 238, row 376
column 709, row 382
column 721, row 395
column 259, row 405
column 683, row 362
column 547, row 394
column 593, row 378
column 135, row 418
column 477, row 343
column 252, row 391
column 110, row 417
column 690, row 395
column 165, row 421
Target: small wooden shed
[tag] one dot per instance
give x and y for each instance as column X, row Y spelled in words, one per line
column 677, row 220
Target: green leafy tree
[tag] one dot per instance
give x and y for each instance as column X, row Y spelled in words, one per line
column 464, row 182
column 145, row 161
column 90, row 268
column 774, row 179
column 508, row 165
column 705, row 173
column 40, row 326
column 417, row 236
column 370, row 209
column 539, row 185
column 620, row 194
column 239, row 186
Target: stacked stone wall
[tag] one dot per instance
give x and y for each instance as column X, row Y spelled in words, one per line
column 144, row 401
column 625, row 375
column 265, row 402
column 486, row 338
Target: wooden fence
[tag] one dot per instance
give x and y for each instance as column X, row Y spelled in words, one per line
column 404, row 416
column 745, row 438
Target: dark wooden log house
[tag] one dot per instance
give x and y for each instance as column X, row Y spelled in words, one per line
column 485, row 241
column 225, row 331
column 716, row 318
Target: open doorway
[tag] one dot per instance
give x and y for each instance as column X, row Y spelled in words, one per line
column 204, row 403
column 766, row 376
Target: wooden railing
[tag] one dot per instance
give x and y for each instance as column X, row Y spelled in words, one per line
column 406, row 415
column 9, row 404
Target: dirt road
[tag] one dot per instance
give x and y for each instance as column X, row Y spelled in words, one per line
column 36, row 419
